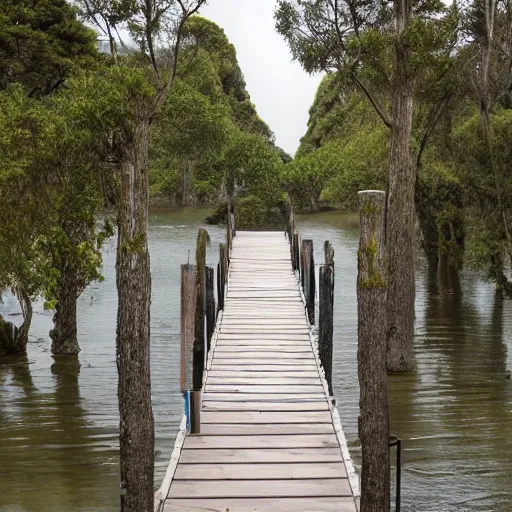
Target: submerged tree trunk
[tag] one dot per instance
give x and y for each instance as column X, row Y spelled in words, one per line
column 136, row 432
column 64, row 334
column 400, row 209
column 13, row 340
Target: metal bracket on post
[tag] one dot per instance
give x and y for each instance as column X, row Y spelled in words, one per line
column 394, row 441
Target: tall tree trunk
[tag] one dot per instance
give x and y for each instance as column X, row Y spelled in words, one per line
column 400, row 209
column 136, row 430
column 64, row 334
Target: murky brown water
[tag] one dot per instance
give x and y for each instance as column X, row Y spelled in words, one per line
column 58, row 419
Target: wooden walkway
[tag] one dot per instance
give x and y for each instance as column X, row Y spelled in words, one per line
column 269, row 439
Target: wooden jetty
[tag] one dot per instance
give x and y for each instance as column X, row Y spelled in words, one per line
column 271, row 438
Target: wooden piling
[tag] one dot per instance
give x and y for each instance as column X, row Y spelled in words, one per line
column 296, row 254
column 195, row 412
column 221, row 276
column 188, row 308
column 325, row 312
column 203, row 241
column 230, row 228
column 210, row 304
column 328, row 253
column 308, row 277
column 371, row 355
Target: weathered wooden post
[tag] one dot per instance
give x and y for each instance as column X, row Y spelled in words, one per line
column 195, row 412
column 203, row 240
column 308, row 278
column 371, row 355
column 296, row 254
column 210, row 304
column 290, row 229
column 188, row 324
column 221, row 276
column 325, row 312
column 229, row 234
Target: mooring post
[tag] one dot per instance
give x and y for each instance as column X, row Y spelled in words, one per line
column 371, row 355
column 210, row 304
column 188, row 308
column 308, row 278
column 195, row 412
column 229, row 233
column 203, row 241
column 325, row 311
column 296, row 254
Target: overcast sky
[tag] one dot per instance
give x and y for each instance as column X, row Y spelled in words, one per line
column 280, row 89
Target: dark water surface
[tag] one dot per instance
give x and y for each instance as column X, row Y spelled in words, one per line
column 58, row 418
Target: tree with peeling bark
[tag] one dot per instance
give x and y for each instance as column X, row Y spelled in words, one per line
column 377, row 47
column 157, row 27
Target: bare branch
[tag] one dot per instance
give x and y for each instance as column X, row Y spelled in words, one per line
column 380, row 111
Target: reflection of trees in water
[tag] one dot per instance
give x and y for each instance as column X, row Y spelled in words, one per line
column 57, row 461
column 467, row 362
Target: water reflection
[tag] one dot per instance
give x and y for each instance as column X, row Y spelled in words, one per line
column 48, row 448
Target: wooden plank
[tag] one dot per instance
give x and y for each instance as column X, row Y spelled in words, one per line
column 264, row 397
column 198, row 442
column 264, row 381
column 260, row 488
column 273, row 417
column 272, row 321
column 266, row 329
column 262, row 342
column 289, row 349
column 278, row 368
column 246, row 456
column 260, row 471
column 254, row 388
column 262, row 355
column 316, row 504
column 214, row 372
column 265, row 406
column 224, row 429
column 253, row 362
column 255, row 335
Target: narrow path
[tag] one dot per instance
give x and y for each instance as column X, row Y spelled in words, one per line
column 268, row 441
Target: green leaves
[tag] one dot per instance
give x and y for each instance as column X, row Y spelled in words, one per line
column 41, row 43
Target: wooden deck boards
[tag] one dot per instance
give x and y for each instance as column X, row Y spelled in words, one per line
column 267, row 442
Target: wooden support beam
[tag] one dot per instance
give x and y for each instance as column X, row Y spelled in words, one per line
column 210, row 304
column 308, row 277
column 188, row 308
column 371, row 355
column 296, row 253
column 325, row 320
column 221, row 276
column 203, row 240
column 195, row 412
column 328, row 253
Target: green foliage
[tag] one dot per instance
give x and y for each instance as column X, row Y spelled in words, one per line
column 256, row 213
column 52, row 187
column 344, row 150
column 208, row 134
column 41, row 41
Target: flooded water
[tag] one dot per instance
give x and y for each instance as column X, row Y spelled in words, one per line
column 58, row 418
